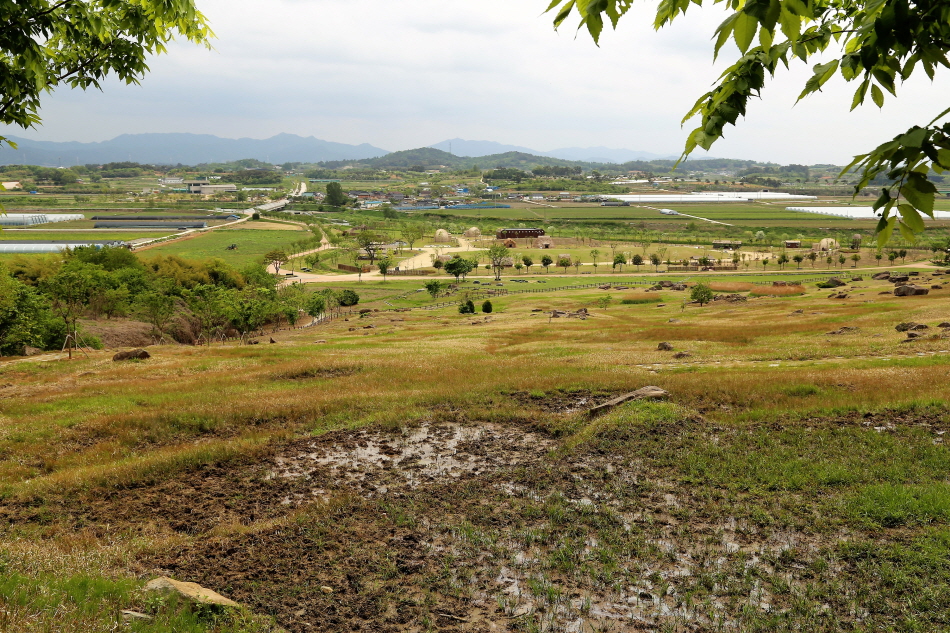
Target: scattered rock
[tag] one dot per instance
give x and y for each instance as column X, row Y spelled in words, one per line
column 798, row 312
column 910, row 290
column 883, row 275
column 833, row 282
column 644, row 393
column 350, row 329
column 320, row 341
column 326, row 589
column 779, row 283
column 936, row 287
column 914, row 335
column 31, row 351
column 903, row 327
column 679, row 287
column 128, row 614
column 673, row 321
column 369, row 327
column 682, row 355
column 253, row 341
column 914, row 273
column 857, row 278
column 944, row 324
column 845, row 329
column 665, row 284
column 838, row 295
column 731, row 298
column 919, row 326
column 190, row 591
column 661, row 305
column 664, row 347
column 899, row 279
column 272, row 341
column 135, row 354
column 537, row 310
column 365, row 311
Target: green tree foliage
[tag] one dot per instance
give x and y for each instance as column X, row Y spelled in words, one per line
column 335, row 196
column 459, row 267
column 546, row 260
column 487, row 307
column 25, row 318
column 877, row 44
column 619, row 260
column 701, row 294
column 385, row 263
column 497, row 254
column 44, row 44
column 467, row 307
column 276, row 258
column 411, row 233
column 434, row 288
column 347, row 298
column 316, row 304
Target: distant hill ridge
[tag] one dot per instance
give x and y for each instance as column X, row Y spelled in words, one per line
column 194, row 149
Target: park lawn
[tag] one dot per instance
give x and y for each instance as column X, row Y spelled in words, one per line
column 795, row 480
column 252, row 244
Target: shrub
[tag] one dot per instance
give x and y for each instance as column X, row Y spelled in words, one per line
column 348, row 298
column 487, row 307
column 467, row 308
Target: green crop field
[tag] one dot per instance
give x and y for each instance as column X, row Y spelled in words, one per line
column 251, row 245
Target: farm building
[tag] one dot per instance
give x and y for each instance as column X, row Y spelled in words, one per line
column 793, row 243
column 827, row 244
column 510, row 243
column 544, row 242
column 473, row 232
column 518, row 233
column 441, row 235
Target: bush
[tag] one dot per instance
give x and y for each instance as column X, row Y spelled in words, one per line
column 348, row 298
column 467, row 308
column 487, row 307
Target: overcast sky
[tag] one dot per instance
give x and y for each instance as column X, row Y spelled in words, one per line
column 412, row 73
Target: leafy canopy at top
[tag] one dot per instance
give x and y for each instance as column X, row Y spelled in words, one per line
column 875, row 43
column 78, row 43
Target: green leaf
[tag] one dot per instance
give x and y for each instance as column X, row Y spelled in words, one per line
column 878, row 95
column 911, row 218
column 744, row 31
column 914, row 138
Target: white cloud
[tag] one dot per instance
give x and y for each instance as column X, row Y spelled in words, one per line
column 409, row 73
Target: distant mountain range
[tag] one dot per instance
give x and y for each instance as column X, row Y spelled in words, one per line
column 188, row 149
column 193, row 149
column 462, row 147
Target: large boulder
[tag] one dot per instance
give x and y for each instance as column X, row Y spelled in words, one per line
column 909, row 290
column 135, row 354
column 883, row 275
column 664, row 347
column 190, row 591
column 896, row 279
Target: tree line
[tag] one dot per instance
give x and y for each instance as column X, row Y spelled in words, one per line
column 43, row 300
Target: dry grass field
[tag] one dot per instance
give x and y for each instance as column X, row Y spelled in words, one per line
column 431, row 471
